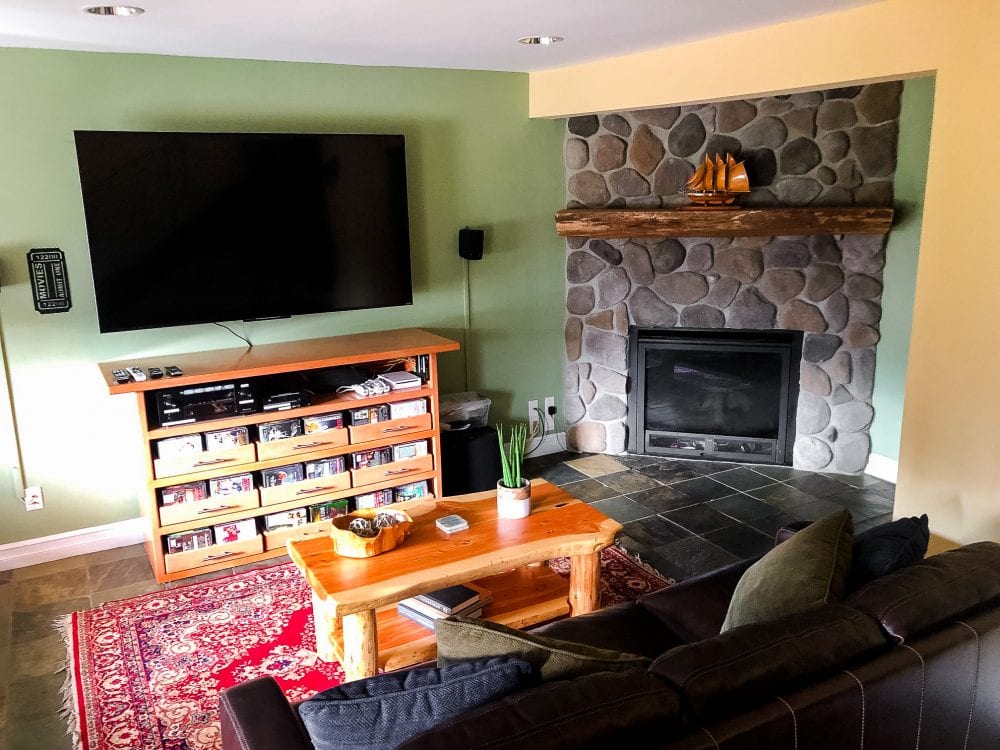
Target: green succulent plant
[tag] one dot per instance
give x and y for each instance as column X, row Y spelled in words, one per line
column 512, row 454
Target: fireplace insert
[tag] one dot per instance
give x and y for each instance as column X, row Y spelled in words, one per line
column 722, row 394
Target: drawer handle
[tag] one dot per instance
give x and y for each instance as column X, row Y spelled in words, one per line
column 314, row 489
column 394, row 472
column 221, row 556
column 311, row 445
column 403, row 428
column 214, row 461
column 218, row 508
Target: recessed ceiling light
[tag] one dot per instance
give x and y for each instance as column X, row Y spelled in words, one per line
column 540, row 39
column 114, row 10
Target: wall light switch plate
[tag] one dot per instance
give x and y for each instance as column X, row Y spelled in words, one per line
column 33, row 499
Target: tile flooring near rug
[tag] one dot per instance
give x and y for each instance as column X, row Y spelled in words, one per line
column 688, row 517
column 683, row 517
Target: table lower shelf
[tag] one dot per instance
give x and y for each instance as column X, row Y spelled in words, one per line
column 521, row 598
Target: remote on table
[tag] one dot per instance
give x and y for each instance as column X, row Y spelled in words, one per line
column 137, row 373
column 155, row 372
column 121, row 377
column 174, row 371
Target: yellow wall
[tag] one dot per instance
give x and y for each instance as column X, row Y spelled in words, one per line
column 949, row 467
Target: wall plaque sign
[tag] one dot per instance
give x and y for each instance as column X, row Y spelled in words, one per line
column 49, row 281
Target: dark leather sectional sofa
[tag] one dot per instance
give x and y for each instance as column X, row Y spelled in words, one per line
column 910, row 660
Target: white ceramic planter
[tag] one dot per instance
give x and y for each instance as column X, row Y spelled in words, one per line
column 514, row 503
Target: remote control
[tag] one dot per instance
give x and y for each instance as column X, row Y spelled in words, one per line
column 174, row 371
column 136, row 372
column 155, row 372
column 121, row 377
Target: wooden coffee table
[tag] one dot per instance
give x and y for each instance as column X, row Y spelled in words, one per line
column 354, row 600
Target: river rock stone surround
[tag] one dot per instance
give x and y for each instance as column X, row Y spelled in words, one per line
column 835, row 147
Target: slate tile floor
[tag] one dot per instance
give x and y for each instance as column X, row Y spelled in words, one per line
column 682, row 517
column 688, row 517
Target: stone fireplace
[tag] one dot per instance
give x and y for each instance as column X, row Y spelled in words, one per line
column 834, row 148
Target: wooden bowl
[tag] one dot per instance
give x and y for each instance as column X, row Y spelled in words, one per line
column 348, row 544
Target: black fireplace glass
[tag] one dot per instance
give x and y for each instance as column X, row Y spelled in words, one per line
column 718, row 392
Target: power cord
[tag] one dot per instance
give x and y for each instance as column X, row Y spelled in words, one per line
column 540, row 424
column 242, row 338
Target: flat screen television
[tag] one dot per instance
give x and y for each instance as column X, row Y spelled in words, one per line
column 209, row 227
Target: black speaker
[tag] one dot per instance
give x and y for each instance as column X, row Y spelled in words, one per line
column 470, row 243
column 470, row 460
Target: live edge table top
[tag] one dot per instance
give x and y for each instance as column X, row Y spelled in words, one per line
column 428, row 559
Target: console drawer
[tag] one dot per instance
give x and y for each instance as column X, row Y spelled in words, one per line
column 277, row 539
column 196, row 558
column 213, row 505
column 394, row 427
column 306, row 489
column 204, row 461
column 400, row 470
column 294, row 446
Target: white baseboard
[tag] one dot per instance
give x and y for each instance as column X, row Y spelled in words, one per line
column 551, row 443
column 882, row 467
column 72, row 543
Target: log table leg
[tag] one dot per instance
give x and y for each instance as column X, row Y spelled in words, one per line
column 326, row 626
column 584, row 583
column 360, row 645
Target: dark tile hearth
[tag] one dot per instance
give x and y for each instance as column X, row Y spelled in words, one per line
column 689, row 517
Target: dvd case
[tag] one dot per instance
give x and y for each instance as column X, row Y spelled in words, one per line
column 405, row 451
column 325, row 467
column 369, row 415
column 183, row 493
column 235, row 531
column 185, row 541
column 330, row 509
column 323, row 422
column 231, row 438
column 231, row 485
column 373, row 499
column 410, row 491
column 183, row 445
column 287, row 519
column 282, row 475
column 283, row 428
column 412, row 408
column 372, row 457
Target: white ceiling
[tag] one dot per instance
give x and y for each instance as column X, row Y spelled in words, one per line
column 474, row 34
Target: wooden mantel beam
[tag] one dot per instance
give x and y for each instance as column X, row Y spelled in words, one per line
column 732, row 222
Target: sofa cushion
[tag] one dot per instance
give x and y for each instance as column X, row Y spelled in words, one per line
column 740, row 667
column 460, row 638
column 625, row 627
column 695, row 608
column 809, row 569
column 937, row 590
column 603, row 709
column 888, row 547
column 385, row 710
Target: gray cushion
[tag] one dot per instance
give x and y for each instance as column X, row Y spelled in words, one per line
column 387, row 710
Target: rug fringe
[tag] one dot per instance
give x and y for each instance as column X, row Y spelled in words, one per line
column 634, row 557
column 69, row 711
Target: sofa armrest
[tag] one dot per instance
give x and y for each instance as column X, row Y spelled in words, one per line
column 696, row 608
column 257, row 716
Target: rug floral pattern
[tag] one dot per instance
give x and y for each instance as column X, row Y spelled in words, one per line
column 147, row 671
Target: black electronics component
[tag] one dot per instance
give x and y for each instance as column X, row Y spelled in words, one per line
column 155, row 373
column 200, row 402
column 120, row 376
column 173, row 371
column 470, row 243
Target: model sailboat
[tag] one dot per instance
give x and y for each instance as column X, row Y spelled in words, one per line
column 715, row 183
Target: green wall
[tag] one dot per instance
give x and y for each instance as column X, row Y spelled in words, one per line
column 473, row 158
column 900, row 272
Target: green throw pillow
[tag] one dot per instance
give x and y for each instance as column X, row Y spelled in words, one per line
column 461, row 639
column 809, row 569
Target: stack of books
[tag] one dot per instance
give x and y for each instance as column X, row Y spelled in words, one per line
column 466, row 600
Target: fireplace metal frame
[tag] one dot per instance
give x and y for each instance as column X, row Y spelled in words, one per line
column 786, row 343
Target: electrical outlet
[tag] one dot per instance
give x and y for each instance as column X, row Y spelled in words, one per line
column 33, row 499
column 550, row 410
column 533, row 416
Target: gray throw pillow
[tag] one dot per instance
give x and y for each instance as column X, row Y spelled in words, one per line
column 459, row 638
column 809, row 569
column 386, row 710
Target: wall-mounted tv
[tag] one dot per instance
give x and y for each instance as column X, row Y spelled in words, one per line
column 209, row 227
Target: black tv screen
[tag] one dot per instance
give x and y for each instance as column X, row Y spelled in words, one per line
column 209, row 227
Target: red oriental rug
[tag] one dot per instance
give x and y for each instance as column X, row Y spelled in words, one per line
column 145, row 673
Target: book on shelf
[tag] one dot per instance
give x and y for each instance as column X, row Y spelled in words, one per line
column 416, row 605
column 452, row 599
column 428, row 622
